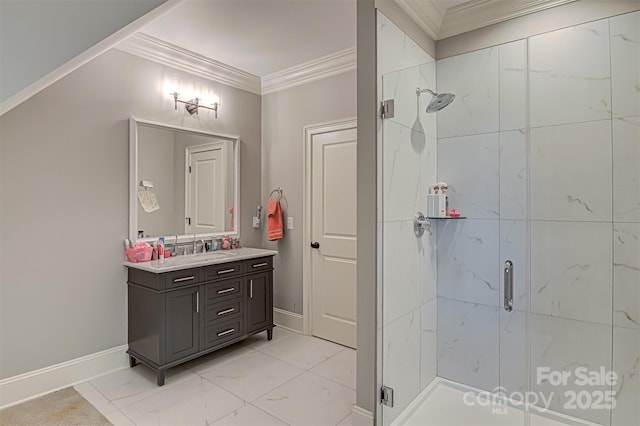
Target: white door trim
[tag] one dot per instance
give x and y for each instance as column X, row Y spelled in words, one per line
column 309, row 132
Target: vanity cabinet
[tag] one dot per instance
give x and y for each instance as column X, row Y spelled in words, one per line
column 180, row 315
column 182, row 323
column 258, row 300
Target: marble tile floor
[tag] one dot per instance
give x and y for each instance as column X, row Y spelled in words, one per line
column 291, row 380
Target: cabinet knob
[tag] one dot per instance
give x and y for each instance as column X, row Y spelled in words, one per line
column 315, row 245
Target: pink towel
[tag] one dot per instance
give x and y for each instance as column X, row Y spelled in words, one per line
column 274, row 220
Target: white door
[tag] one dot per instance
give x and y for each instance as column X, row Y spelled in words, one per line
column 333, row 232
column 206, row 181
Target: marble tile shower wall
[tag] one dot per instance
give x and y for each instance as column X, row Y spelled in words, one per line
column 482, row 156
column 583, row 124
column 407, row 143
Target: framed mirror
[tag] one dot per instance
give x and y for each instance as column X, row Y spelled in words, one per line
column 182, row 182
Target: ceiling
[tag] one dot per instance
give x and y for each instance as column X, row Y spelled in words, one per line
column 443, row 5
column 264, row 37
column 447, row 18
column 259, row 36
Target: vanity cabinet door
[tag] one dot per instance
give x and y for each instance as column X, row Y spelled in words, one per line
column 258, row 294
column 182, row 318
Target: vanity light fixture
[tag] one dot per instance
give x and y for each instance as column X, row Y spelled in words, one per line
column 193, row 105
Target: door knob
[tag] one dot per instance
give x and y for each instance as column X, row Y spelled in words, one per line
column 315, row 245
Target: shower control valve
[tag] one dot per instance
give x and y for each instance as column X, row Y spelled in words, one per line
column 420, row 224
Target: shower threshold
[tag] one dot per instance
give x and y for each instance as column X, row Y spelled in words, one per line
column 443, row 403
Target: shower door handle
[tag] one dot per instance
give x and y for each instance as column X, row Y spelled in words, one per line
column 508, row 286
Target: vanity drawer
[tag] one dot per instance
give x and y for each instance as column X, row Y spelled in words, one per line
column 222, row 332
column 223, row 270
column 181, row 278
column 223, row 311
column 259, row 264
column 214, row 293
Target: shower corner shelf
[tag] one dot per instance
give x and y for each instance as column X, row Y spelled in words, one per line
column 422, row 222
column 445, row 218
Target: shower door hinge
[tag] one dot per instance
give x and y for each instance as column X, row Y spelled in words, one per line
column 386, row 396
column 386, row 108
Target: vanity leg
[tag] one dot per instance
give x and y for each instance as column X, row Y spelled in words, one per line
column 160, row 378
column 132, row 361
column 270, row 334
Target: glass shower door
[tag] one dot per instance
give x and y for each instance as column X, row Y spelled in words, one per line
column 540, row 151
column 483, row 260
column 408, row 262
column 574, row 235
column 447, row 341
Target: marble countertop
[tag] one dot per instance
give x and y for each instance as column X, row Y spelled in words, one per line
column 177, row 263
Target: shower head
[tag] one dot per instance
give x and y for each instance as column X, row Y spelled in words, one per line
column 439, row 101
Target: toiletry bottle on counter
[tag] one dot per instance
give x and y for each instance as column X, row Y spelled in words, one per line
column 154, row 253
column 161, row 249
column 226, row 243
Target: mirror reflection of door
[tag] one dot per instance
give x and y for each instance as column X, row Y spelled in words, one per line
column 206, row 182
column 162, row 158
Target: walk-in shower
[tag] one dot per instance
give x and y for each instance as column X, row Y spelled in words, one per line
column 479, row 315
column 439, row 101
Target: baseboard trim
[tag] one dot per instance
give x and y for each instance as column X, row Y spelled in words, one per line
column 23, row 387
column 361, row 417
column 288, row 320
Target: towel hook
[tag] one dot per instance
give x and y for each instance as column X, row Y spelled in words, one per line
column 279, row 191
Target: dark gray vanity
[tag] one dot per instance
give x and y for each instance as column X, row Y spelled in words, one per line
column 182, row 308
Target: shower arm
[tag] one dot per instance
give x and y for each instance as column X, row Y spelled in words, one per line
column 420, row 91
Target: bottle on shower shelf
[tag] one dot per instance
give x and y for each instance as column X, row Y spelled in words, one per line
column 432, row 202
column 443, row 199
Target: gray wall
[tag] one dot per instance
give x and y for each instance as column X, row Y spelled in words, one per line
column 367, row 207
column 285, row 113
column 156, row 164
column 181, row 141
column 38, row 36
column 64, row 203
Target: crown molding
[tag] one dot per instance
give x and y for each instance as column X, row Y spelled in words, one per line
column 442, row 10
column 323, row 67
column 154, row 49
column 481, row 13
column 427, row 14
column 471, row 15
